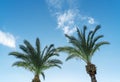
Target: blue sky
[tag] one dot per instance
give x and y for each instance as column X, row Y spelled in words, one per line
column 49, row 20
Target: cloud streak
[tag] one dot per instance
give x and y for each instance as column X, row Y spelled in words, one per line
column 7, row 39
column 56, row 4
column 66, row 22
column 68, row 17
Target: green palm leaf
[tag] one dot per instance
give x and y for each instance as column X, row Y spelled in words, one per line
column 84, row 46
column 35, row 59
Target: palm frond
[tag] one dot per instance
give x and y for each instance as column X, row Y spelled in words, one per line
column 54, row 61
column 95, row 40
column 95, row 30
column 29, row 47
column 84, row 33
column 21, row 64
column 43, row 51
column 97, row 45
column 73, row 51
column 70, row 57
column 50, row 51
column 19, row 55
column 38, row 46
column 80, row 36
column 84, row 46
column 24, row 49
column 67, row 49
column 75, row 42
column 43, row 75
column 88, row 37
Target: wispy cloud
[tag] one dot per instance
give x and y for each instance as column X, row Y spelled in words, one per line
column 66, row 21
column 91, row 20
column 56, row 4
column 7, row 39
column 68, row 18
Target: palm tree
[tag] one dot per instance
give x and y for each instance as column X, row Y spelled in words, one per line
column 84, row 47
column 35, row 60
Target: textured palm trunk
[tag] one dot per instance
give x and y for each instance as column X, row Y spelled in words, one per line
column 91, row 70
column 36, row 79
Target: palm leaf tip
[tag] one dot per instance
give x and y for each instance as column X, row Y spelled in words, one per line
column 52, row 44
column 43, row 75
column 10, row 53
column 25, row 41
column 100, row 44
column 70, row 57
column 59, row 49
column 85, row 27
column 106, row 42
column 60, row 62
column 37, row 39
column 63, row 49
column 38, row 45
column 20, row 64
column 13, row 53
column 58, row 66
column 77, row 29
column 98, row 27
column 57, row 62
column 67, row 36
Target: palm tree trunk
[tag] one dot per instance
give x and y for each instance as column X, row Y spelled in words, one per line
column 91, row 70
column 93, row 78
column 36, row 79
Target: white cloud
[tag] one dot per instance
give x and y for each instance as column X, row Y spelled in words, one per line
column 68, row 30
column 7, row 39
column 66, row 22
column 68, row 17
column 91, row 20
column 55, row 3
column 54, row 6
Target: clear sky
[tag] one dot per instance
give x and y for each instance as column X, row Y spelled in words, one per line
column 49, row 20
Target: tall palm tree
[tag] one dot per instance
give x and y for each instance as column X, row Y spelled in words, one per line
column 84, row 46
column 35, row 59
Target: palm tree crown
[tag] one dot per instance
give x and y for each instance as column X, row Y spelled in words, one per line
column 35, row 59
column 84, row 46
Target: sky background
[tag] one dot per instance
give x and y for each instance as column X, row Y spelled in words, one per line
column 50, row 20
